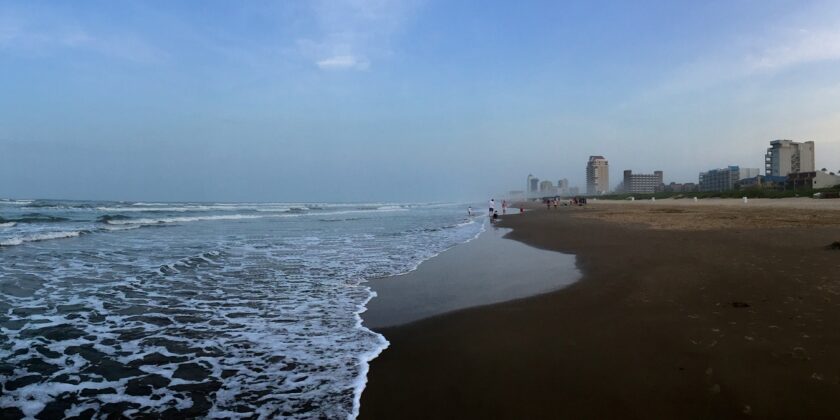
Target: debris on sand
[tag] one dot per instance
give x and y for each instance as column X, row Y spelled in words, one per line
column 834, row 246
column 740, row 305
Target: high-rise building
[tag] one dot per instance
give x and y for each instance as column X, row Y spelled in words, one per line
column 744, row 173
column 546, row 187
column 597, row 176
column 721, row 179
column 724, row 179
column 789, row 157
column 533, row 185
column 563, row 187
column 642, row 183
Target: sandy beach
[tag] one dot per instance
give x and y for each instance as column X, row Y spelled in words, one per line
column 685, row 310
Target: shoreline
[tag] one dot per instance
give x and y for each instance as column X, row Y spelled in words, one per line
column 664, row 323
column 465, row 276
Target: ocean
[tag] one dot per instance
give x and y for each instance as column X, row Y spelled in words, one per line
column 233, row 310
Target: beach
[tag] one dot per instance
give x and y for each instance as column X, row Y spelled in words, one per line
column 718, row 309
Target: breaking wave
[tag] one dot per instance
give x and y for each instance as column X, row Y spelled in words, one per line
column 37, row 237
column 35, row 218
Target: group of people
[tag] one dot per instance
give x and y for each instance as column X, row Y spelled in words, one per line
column 549, row 202
column 575, row 201
column 494, row 213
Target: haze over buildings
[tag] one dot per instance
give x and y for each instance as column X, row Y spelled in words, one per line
column 563, row 187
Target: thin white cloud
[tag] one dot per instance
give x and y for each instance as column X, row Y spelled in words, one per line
column 353, row 32
column 802, row 47
column 758, row 56
column 8, row 32
column 32, row 36
column 343, row 62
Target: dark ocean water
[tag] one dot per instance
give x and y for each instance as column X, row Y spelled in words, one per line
column 236, row 310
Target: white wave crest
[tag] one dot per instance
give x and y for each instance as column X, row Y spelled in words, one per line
column 185, row 219
column 182, row 209
column 17, row 240
column 7, row 224
column 16, row 202
column 149, row 221
column 118, row 228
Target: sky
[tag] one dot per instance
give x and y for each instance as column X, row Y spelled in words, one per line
column 417, row 100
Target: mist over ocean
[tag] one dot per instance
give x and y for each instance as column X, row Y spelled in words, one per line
column 209, row 309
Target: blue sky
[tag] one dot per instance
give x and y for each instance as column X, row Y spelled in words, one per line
column 415, row 100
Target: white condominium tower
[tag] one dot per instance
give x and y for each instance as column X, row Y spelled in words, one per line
column 789, row 157
column 597, row 176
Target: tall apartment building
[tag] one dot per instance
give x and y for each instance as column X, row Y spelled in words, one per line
column 724, row 179
column 715, row 180
column 597, row 176
column 532, row 185
column 789, row 157
column 563, row 187
column 744, row 173
column 546, row 187
column 642, row 183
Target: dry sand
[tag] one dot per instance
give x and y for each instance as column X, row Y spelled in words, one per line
column 710, row 214
column 734, row 320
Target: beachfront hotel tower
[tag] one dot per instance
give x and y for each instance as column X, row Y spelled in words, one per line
column 789, row 157
column 643, row 183
column 532, row 185
column 563, row 187
column 597, row 176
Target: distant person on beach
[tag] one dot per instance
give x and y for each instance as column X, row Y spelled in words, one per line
column 492, row 206
column 469, row 211
column 504, row 206
column 555, row 202
column 521, row 210
column 548, row 204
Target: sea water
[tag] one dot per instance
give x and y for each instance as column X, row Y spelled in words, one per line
column 234, row 310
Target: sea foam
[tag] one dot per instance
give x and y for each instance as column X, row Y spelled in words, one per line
column 230, row 314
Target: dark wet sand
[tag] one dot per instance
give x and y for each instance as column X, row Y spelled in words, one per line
column 469, row 275
column 664, row 324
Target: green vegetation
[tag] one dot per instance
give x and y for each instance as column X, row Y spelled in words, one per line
column 748, row 192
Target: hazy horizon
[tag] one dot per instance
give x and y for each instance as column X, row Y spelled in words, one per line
column 413, row 101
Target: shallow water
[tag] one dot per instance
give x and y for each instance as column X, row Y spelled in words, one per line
column 219, row 310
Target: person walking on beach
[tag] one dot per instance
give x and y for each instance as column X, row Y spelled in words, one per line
column 504, row 206
column 469, row 211
column 492, row 206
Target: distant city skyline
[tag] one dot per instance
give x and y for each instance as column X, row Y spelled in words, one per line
column 419, row 100
column 783, row 157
